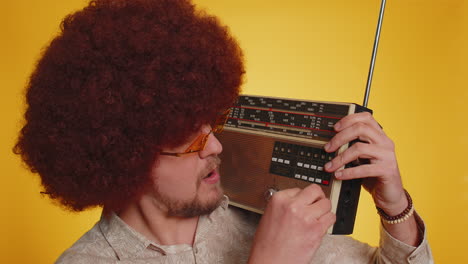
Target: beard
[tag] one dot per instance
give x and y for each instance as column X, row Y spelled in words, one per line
column 196, row 206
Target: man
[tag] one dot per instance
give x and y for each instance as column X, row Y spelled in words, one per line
column 122, row 111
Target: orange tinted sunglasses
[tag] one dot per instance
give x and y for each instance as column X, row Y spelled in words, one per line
column 200, row 142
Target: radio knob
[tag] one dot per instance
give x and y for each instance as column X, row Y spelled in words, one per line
column 269, row 193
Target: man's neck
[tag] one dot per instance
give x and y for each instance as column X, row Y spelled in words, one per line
column 157, row 226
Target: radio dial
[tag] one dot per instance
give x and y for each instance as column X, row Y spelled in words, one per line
column 269, row 193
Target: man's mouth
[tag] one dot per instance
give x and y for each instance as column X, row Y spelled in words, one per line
column 212, row 174
column 212, row 177
column 209, row 174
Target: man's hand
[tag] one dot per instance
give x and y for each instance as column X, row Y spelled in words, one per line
column 382, row 175
column 292, row 226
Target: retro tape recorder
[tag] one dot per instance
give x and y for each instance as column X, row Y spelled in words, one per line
column 270, row 144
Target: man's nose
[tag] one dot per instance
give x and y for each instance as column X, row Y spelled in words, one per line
column 213, row 147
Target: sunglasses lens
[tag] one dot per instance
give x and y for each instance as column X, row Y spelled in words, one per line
column 198, row 144
column 221, row 121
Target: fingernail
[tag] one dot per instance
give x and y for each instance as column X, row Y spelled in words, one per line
column 337, row 126
column 327, row 146
column 328, row 165
column 338, row 174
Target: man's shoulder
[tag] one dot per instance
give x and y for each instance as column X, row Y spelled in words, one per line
column 238, row 215
column 231, row 223
column 343, row 249
column 92, row 247
column 241, row 220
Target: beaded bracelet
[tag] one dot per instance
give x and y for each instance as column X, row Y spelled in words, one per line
column 403, row 216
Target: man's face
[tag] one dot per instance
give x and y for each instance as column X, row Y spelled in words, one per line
column 189, row 185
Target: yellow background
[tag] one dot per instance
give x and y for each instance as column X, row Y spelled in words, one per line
column 307, row 49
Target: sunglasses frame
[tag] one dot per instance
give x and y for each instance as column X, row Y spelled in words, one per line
column 199, row 143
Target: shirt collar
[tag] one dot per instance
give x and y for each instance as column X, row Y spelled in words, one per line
column 127, row 242
column 124, row 240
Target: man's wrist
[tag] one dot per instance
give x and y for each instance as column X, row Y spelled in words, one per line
column 395, row 207
column 396, row 214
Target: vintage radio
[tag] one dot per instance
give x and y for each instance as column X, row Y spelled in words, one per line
column 271, row 144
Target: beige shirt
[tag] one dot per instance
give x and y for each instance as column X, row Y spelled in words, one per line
column 225, row 236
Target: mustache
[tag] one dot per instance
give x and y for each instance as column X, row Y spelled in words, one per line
column 214, row 163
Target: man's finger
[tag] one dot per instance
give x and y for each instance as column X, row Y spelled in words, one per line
column 318, row 209
column 362, row 171
column 326, row 221
column 358, row 150
column 292, row 192
column 363, row 117
column 360, row 131
column 310, row 194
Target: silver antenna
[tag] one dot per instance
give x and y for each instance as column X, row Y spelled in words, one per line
column 374, row 53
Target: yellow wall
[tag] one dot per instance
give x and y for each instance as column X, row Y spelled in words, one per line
column 301, row 49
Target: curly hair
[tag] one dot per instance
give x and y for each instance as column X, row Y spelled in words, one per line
column 122, row 80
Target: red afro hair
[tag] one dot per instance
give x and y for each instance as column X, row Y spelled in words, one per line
column 122, row 80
